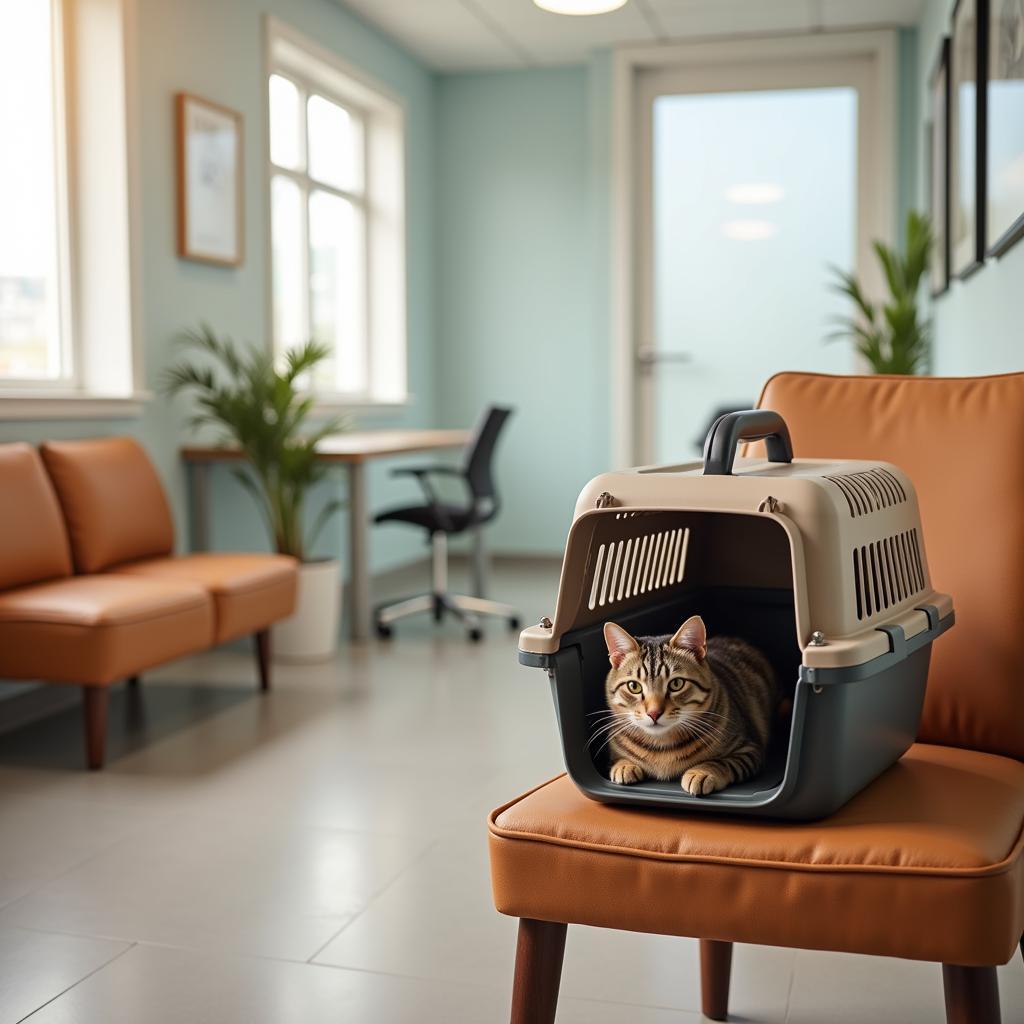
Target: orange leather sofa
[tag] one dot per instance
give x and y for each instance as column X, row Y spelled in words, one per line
column 90, row 592
column 924, row 864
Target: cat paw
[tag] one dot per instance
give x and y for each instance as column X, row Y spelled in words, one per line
column 702, row 780
column 626, row 773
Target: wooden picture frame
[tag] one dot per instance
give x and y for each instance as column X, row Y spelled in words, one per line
column 209, row 181
column 937, row 149
column 967, row 59
column 1004, row 209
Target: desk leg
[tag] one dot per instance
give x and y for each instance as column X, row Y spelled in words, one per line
column 199, row 500
column 479, row 563
column 358, row 551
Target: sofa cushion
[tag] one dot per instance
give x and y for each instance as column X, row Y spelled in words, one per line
column 113, row 501
column 96, row 629
column 250, row 591
column 33, row 541
column 926, row 863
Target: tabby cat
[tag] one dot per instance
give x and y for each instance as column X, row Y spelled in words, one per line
column 683, row 707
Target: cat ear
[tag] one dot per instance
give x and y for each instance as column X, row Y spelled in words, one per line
column 619, row 642
column 692, row 636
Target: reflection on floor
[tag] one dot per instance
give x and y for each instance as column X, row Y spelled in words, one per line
column 319, row 855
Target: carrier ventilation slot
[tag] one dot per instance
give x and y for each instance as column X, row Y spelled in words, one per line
column 869, row 491
column 886, row 572
column 639, row 565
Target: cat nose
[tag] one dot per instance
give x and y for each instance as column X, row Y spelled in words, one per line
column 654, row 715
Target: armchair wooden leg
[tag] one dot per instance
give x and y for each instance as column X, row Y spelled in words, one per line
column 262, row 639
column 538, row 971
column 972, row 994
column 715, row 968
column 95, row 701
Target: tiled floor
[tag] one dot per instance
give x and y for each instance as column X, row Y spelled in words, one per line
column 319, row 855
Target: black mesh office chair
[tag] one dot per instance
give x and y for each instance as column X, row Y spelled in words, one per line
column 442, row 519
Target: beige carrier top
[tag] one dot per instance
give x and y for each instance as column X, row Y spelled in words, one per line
column 844, row 536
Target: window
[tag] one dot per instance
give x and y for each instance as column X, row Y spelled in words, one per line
column 336, row 220
column 68, row 338
column 33, row 290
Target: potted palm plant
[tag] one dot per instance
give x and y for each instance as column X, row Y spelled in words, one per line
column 891, row 337
column 259, row 407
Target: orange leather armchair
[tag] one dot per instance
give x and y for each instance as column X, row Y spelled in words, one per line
column 924, row 864
column 89, row 591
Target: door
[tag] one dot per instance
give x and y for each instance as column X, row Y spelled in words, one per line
column 754, row 180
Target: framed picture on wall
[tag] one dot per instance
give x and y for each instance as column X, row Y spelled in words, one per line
column 938, row 170
column 967, row 137
column 209, row 157
column 1005, row 132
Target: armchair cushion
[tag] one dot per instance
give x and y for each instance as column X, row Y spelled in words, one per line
column 249, row 591
column 97, row 629
column 926, row 863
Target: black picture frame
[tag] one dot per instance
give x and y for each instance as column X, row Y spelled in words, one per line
column 937, row 148
column 968, row 63
column 1004, row 87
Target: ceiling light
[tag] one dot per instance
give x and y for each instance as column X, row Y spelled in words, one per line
column 749, row 230
column 579, row 6
column 755, row 192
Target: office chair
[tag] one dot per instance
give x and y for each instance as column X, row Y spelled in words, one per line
column 441, row 520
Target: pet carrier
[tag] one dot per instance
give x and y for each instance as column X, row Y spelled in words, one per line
column 819, row 564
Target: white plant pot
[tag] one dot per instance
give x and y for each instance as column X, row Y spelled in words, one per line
column 311, row 634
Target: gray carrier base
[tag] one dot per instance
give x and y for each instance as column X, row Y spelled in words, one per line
column 819, row 565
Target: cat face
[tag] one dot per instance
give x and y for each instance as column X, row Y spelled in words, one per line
column 659, row 686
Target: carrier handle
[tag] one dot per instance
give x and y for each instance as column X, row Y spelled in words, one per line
column 749, row 425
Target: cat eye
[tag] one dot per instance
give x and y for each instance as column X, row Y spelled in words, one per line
column 634, row 687
column 675, row 685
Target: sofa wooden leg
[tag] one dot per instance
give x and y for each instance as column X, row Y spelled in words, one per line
column 715, row 969
column 972, row 994
column 538, row 971
column 262, row 639
column 95, row 701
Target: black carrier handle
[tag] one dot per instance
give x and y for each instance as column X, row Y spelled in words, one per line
column 749, row 425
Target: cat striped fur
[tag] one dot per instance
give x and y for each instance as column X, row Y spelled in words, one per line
column 685, row 707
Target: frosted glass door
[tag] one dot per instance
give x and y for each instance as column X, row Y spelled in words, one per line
column 753, row 197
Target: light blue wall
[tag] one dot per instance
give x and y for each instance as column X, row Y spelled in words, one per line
column 216, row 51
column 978, row 321
column 522, row 289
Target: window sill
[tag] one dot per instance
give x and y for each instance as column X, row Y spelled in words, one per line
column 340, row 405
column 40, row 404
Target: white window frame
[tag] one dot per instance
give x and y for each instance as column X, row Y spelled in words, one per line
column 66, row 339
column 97, row 221
column 308, row 87
column 317, row 71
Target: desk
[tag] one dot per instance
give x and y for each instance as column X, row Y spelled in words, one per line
column 353, row 450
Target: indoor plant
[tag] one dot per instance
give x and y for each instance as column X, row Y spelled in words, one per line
column 259, row 407
column 892, row 336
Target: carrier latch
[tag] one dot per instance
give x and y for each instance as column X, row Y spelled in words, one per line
column 770, row 504
column 605, row 500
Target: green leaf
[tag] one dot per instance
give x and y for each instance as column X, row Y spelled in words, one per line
column 260, row 409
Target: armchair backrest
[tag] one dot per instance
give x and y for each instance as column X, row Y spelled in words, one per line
column 33, row 540
column 961, row 440
column 114, row 504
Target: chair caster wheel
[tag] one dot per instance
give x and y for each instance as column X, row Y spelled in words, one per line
column 476, row 635
column 514, row 623
column 383, row 631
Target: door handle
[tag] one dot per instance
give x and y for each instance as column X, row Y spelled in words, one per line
column 648, row 356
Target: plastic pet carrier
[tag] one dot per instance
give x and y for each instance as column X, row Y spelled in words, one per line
column 821, row 565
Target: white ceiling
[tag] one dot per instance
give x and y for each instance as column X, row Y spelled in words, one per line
column 464, row 35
